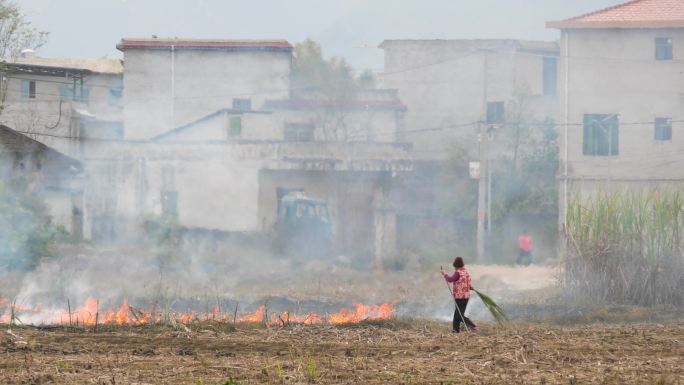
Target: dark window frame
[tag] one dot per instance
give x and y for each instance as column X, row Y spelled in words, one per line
column 496, row 113
column 663, row 48
column 169, row 202
column 299, row 132
column 244, row 104
column 234, row 126
column 115, row 92
column 28, row 89
column 662, row 129
column 601, row 135
column 71, row 91
column 32, row 89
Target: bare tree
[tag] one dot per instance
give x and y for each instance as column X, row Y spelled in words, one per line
column 333, row 81
column 16, row 34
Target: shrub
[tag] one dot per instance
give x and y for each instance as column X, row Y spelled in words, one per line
column 27, row 234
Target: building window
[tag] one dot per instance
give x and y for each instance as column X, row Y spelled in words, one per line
column 663, row 129
column 550, row 75
column 169, row 195
column 663, row 49
column 66, row 91
column 28, row 89
column 495, row 113
column 242, row 104
column 169, row 203
column 235, row 126
column 601, row 135
column 115, row 92
column 299, row 132
column 70, row 91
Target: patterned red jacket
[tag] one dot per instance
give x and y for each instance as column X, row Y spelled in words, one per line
column 461, row 281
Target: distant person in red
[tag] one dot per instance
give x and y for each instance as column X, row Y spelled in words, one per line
column 524, row 249
column 461, row 280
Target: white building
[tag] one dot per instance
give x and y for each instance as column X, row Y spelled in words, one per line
column 239, row 143
column 622, row 98
column 171, row 82
column 446, row 85
column 58, row 101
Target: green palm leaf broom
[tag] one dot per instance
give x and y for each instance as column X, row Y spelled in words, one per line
column 496, row 311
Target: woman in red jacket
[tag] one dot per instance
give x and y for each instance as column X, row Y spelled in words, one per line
column 461, row 282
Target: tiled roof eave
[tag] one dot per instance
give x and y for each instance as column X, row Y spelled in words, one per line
column 192, row 44
column 572, row 24
column 207, row 48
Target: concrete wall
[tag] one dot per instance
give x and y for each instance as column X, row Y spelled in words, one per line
column 378, row 125
column 614, row 71
column 443, row 84
column 55, row 120
column 102, row 102
column 219, row 186
column 106, row 104
column 165, row 89
column 216, row 186
column 42, row 115
column 355, row 125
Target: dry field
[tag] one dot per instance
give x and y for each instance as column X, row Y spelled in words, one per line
column 396, row 352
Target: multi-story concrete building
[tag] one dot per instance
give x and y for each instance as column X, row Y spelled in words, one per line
column 58, row 101
column 171, row 82
column 446, row 85
column 240, row 142
column 622, row 98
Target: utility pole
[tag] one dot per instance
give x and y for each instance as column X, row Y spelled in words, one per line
column 488, row 213
column 482, row 182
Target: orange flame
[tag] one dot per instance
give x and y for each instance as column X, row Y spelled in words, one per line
column 257, row 316
column 87, row 314
column 187, row 317
column 361, row 313
column 90, row 314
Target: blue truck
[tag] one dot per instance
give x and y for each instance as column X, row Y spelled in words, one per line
column 303, row 226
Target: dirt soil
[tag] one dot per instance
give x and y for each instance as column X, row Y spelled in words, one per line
column 397, row 352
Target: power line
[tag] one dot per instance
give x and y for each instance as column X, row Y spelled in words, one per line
column 404, row 70
column 264, row 92
column 466, row 54
column 397, row 132
column 66, row 83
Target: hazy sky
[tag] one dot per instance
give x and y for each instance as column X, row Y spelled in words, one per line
column 350, row 28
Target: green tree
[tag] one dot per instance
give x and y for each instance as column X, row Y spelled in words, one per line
column 334, row 78
column 524, row 173
column 366, row 80
column 331, row 81
column 27, row 234
column 524, row 163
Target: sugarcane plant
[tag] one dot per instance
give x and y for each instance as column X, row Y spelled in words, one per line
column 625, row 247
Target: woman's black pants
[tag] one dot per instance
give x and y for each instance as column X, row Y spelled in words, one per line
column 461, row 305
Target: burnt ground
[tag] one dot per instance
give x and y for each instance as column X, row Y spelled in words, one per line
column 397, row 352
